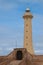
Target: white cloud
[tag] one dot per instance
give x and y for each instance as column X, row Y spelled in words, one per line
column 9, row 49
column 38, row 51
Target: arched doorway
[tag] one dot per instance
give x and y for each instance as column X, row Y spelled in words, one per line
column 19, row 55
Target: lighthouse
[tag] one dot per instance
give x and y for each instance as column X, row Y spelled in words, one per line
column 28, row 31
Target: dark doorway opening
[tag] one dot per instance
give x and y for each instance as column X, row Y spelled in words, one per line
column 19, row 55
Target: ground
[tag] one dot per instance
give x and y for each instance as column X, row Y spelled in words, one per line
column 27, row 58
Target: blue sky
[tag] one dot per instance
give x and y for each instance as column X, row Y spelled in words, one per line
column 12, row 24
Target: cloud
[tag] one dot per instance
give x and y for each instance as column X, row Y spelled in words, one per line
column 9, row 49
column 38, row 51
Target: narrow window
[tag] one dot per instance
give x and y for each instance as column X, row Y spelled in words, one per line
column 26, row 31
column 26, row 43
column 26, row 37
column 26, row 24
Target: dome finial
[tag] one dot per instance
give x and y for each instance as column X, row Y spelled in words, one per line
column 27, row 10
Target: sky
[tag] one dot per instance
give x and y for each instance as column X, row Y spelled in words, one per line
column 12, row 25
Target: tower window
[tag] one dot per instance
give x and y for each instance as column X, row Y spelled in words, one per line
column 26, row 24
column 19, row 55
column 26, row 31
column 26, row 37
column 26, row 43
